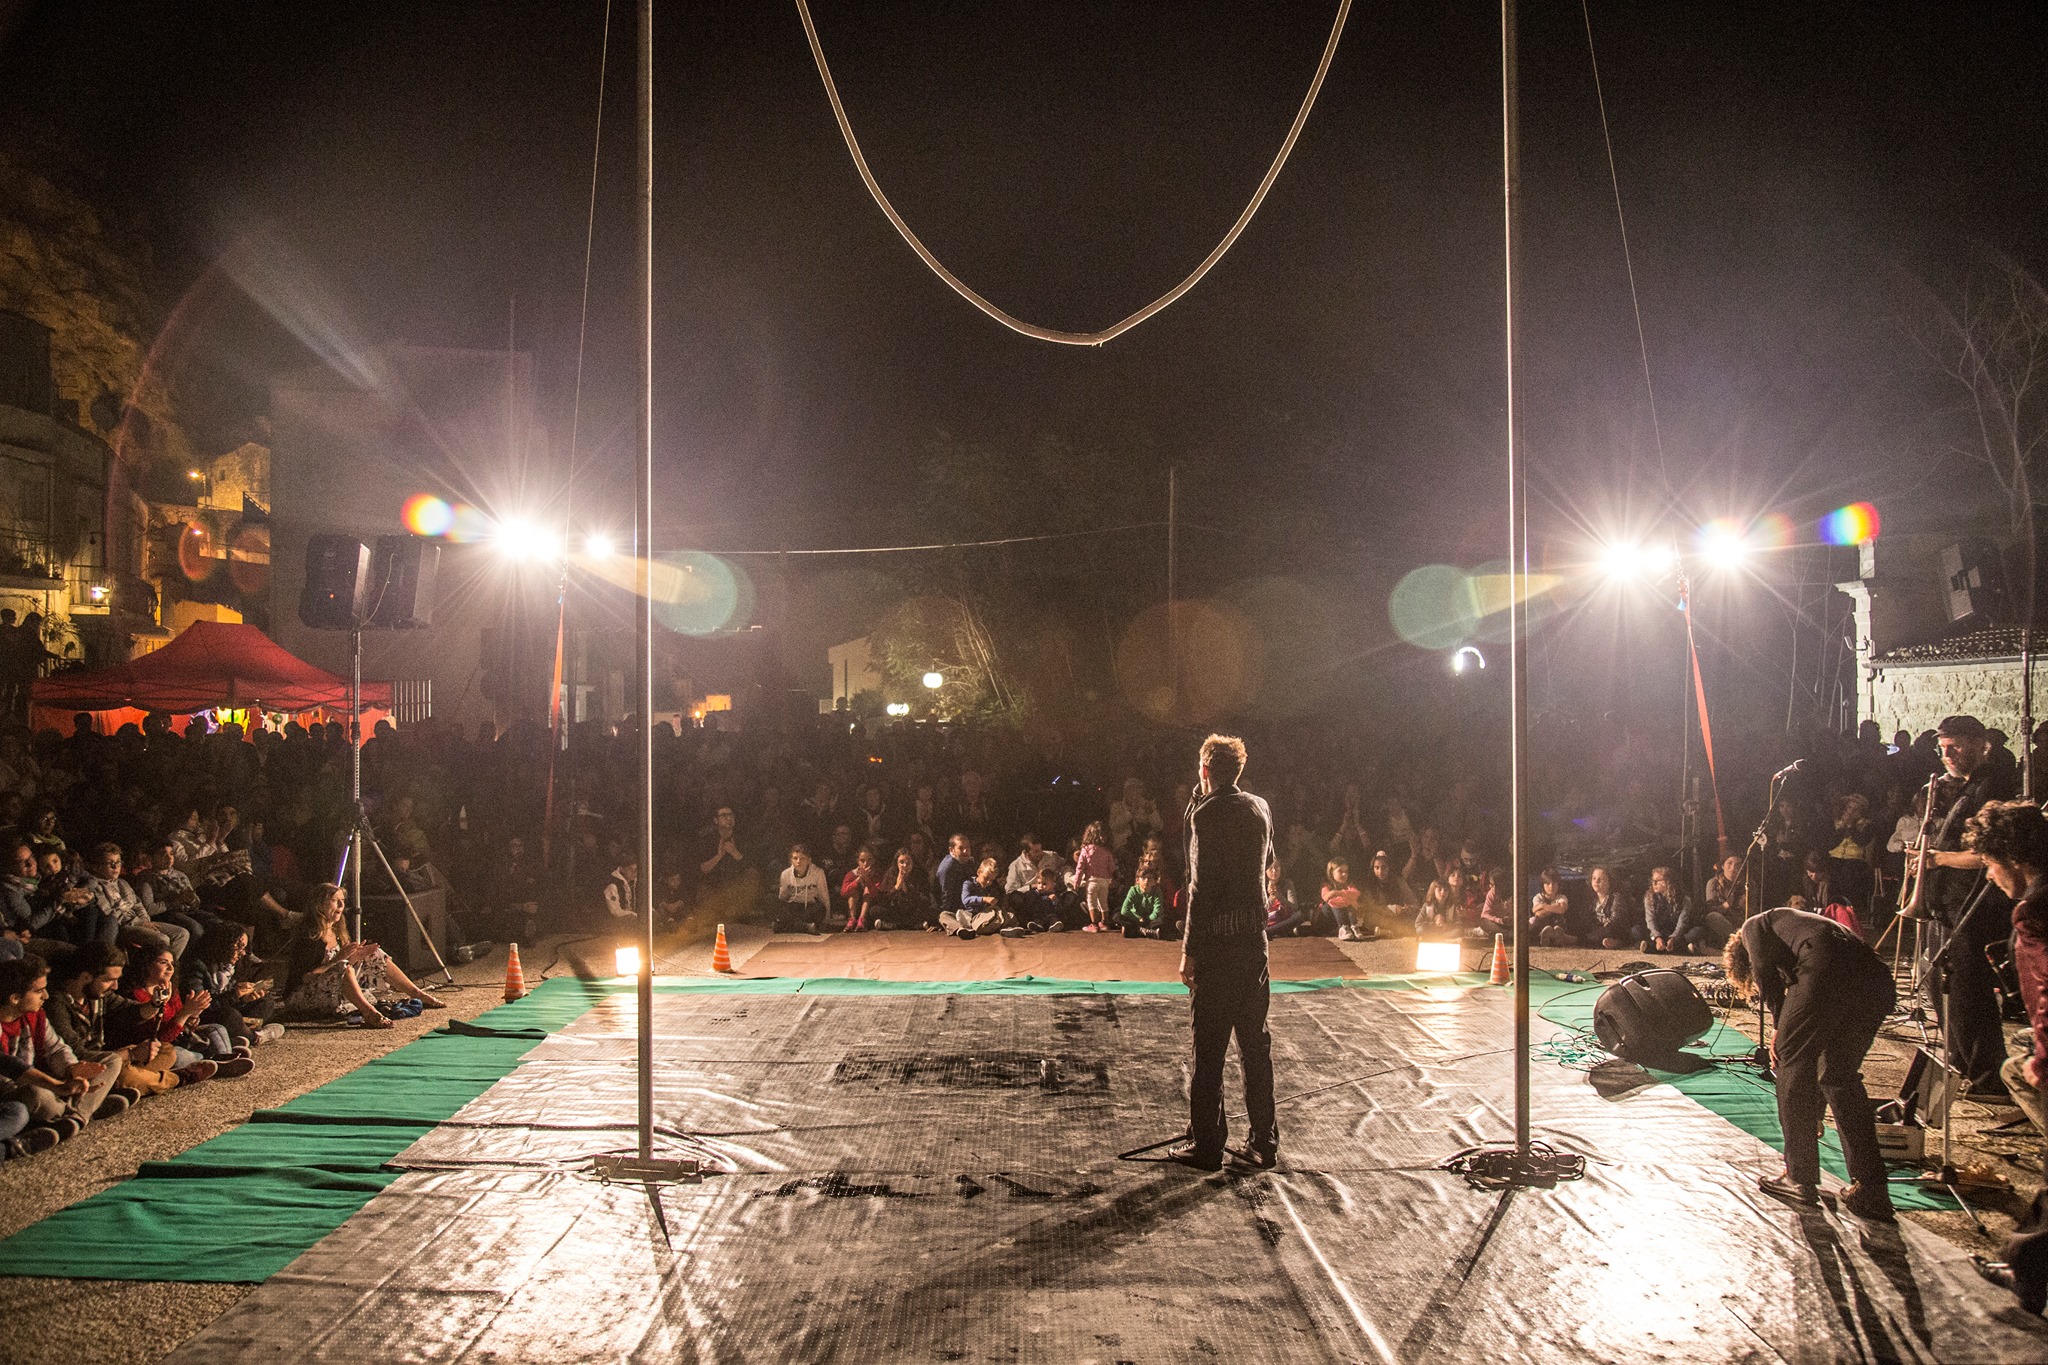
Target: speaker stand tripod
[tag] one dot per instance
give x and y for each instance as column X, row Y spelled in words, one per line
column 350, row 873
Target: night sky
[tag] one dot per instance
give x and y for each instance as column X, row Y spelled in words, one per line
column 1794, row 177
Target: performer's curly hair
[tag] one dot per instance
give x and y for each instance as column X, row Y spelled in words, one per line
column 2014, row 832
column 1735, row 962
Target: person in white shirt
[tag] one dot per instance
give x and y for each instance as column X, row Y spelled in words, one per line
column 1035, row 858
column 802, row 894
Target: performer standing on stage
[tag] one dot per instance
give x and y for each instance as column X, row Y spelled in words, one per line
column 1975, row 1036
column 1223, row 958
column 1828, row 992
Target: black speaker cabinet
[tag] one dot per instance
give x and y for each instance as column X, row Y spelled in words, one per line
column 335, row 595
column 1974, row 580
column 388, row 924
column 402, row 576
column 1650, row 1015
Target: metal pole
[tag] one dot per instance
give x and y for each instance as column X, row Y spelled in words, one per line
column 1172, row 625
column 355, row 776
column 643, row 603
column 1518, row 585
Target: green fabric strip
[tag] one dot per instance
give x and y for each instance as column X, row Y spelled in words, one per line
column 242, row 1206
column 1739, row 1095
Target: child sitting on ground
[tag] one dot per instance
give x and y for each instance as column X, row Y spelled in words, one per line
column 1144, row 911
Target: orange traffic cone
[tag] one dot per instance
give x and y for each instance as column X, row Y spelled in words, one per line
column 1500, row 962
column 515, row 976
column 721, row 957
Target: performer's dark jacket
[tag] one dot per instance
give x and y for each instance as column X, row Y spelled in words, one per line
column 2030, row 956
column 1230, row 845
column 1788, row 946
column 1949, row 888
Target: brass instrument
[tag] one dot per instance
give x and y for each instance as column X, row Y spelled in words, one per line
column 1913, row 883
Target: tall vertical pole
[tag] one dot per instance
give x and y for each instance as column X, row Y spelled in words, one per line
column 355, row 776
column 1172, row 604
column 643, row 550
column 1518, row 583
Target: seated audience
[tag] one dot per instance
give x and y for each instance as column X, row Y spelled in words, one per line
column 1617, row 923
column 1283, row 916
column 243, row 1008
column 1385, row 902
column 1497, row 915
column 154, row 1010
column 116, row 914
column 860, row 891
column 38, row 1071
column 1044, row 907
column 1550, row 913
column 802, row 895
column 80, row 984
column 1337, row 910
column 981, row 905
column 1144, row 913
column 331, row 975
column 907, row 899
column 1727, row 894
column 1672, row 925
column 1439, row 909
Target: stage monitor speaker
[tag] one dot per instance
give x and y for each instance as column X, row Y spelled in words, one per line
column 1650, row 1015
column 335, row 594
column 1974, row 581
column 402, row 573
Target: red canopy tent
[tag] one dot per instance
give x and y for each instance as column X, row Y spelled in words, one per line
column 211, row 664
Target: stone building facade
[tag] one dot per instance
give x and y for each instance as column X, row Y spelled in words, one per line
column 1914, row 664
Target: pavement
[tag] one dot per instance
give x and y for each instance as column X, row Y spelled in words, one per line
column 65, row 1321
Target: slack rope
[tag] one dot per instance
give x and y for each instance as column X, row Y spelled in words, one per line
column 1017, row 324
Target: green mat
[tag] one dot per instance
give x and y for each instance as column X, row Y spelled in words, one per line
column 1739, row 1095
column 242, row 1206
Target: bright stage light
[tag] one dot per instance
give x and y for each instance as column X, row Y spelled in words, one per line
column 935, row 680
column 1439, row 957
column 626, row 960
column 1622, row 561
column 1724, row 544
column 522, row 541
column 598, row 546
column 1468, row 659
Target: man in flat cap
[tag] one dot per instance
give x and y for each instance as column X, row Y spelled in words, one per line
column 1967, row 911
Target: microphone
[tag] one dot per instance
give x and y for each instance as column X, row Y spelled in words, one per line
column 1797, row 765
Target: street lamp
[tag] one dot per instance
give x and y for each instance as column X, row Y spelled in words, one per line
column 934, row 680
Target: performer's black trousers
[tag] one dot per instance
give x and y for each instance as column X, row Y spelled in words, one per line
column 1230, row 995
column 1976, row 1034
column 1825, row 1026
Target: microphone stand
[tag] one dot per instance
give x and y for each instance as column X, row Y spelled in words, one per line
column 1946, row 1175
column 1750, row 866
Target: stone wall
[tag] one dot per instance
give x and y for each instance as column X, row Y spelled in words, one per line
column 1916, row 696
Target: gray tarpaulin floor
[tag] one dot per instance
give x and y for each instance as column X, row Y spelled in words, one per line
column 934, row 1178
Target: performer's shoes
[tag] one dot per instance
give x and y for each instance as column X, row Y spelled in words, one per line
column 1998, row 1272
column 1871, row 1205
column 1255, row 1155
column 1783, row 1186
column 1189, row 1155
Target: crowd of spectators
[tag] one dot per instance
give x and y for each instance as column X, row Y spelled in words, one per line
column 185, row 881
